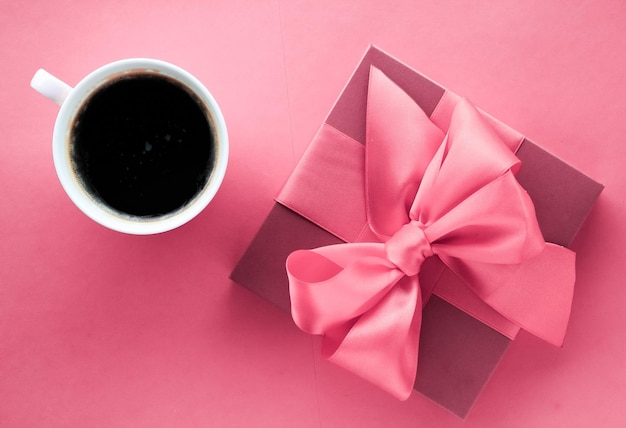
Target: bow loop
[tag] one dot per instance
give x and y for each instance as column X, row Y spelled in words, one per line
column 470, row 157
column 400, row 142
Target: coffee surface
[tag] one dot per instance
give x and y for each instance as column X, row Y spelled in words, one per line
column 143, row 145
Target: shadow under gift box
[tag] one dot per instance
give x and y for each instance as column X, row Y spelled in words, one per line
column 457, row 352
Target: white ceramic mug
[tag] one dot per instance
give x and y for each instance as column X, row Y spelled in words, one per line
column 73, row 100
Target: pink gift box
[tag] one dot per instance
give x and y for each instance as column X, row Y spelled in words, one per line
column 458, row 351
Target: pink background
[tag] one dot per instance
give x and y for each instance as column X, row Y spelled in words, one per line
column 103, row 329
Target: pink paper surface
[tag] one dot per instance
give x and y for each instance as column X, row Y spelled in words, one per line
column 103, row 329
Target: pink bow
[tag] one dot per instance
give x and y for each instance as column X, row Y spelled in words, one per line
column 454, row 196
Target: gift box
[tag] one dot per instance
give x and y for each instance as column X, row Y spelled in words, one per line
column 462, row 338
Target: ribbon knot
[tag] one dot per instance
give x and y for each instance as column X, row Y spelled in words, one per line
column 408, row 248
column 365, row 298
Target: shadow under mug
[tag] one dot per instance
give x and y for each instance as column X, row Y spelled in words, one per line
column 74, row 102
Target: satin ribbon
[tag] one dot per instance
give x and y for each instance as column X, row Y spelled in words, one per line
column 450, row 195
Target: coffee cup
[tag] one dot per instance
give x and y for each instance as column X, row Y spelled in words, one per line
column 139, row 145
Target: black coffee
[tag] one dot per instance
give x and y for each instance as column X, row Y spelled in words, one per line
column 143, row 145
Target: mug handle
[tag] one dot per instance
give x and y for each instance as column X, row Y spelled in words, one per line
column 50, row 87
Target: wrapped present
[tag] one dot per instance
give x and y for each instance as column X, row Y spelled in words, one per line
column 418, row 234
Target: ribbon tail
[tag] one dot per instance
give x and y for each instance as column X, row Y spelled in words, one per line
column 382, row 345
column 540, row 298
column 536, row 294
